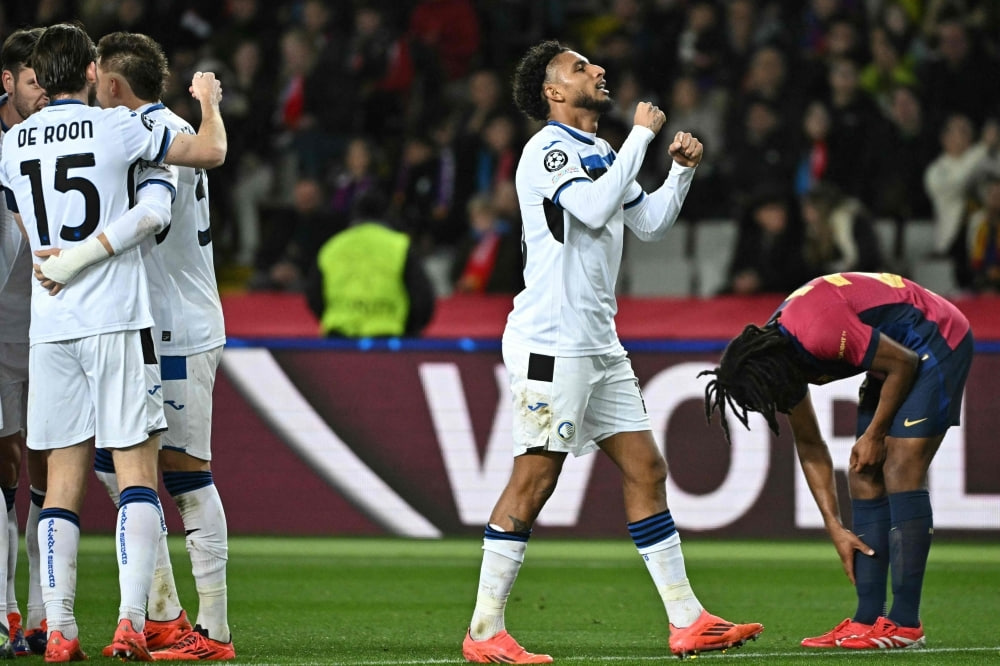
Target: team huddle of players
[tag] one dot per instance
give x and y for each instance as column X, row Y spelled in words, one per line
column 109, row 311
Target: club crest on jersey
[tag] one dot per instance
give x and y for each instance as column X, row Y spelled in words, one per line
column 555, row 160
column 147, row 121
column 566, row 430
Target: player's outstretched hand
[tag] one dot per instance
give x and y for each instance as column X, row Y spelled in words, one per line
column 686, row 149
column 51, row 285
column 205, row 87
column 649, row 116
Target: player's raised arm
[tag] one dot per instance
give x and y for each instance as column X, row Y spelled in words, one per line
column 207, row 149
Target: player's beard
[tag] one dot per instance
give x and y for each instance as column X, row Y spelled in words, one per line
column 23, row 110
column 600, row 105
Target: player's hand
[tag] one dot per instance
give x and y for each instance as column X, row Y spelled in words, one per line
column 205, row 87
column 868, row 453
column 686, row 149
column 52, row 286
column 649, row 116
column 846, row 543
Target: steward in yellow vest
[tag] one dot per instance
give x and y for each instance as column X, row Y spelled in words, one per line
column 371, row 284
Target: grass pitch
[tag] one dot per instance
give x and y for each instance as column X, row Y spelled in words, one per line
column 371, row 602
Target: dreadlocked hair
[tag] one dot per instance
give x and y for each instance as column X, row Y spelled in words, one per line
column 529, row 77
column 757, row 373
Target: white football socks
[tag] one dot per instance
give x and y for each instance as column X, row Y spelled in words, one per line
column 164, row 602
column 136, row 540
column 502, row 561
column 59, row 538
column 665, row 563
column 207, row 541
column 36, row 607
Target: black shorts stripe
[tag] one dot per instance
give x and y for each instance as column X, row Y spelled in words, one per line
column 148, row 348
column 541, row 367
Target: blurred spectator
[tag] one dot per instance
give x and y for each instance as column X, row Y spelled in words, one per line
column 245, row 181
column 691, row 111
column 840, row 233
column 358, row 176
column 814, row 152
column 289, row 249
column 948, row 178
column 450, row 30
column 762, row 156
column 298, row 56
column 904, row 150
column 766, row 80
column 488, row 259
column 899, row 19
column 416, row 194
column 954, row 78
column 243, row 20
column 368, row 280
column 768, row 256
column 984, row 239
column 498, row 153
column 855, row 127
column 887, row 70
column 701, row 44
column 741, row 39
column 379, row 63
column 840, row 39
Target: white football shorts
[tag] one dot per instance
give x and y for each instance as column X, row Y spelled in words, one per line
column 569, row 404
column 13, row 386
column 98, row 386
column 188, row 382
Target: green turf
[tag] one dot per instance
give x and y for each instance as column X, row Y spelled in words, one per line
column 385, row 601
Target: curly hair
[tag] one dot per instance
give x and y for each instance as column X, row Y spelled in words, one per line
column 758, row 373
column 531, row 74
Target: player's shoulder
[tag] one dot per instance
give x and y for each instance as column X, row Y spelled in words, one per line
column 548, row 151
column 164, row 116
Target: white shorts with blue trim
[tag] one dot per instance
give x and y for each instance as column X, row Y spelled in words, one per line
column 188, row 382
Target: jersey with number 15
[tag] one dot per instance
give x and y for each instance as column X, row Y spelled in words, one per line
column 66, row 171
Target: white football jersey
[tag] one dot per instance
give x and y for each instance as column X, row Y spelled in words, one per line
column 568, row 305
column 15, row 272
column 67, row 168
column 187, row 310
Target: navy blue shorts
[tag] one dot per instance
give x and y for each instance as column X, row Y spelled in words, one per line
column 935, row 401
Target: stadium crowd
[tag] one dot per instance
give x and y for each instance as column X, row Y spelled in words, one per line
column 818, row 119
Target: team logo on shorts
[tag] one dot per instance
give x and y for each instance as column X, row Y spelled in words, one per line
column 566, row 430
column 555, row 160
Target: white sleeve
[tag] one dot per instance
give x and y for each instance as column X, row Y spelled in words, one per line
column 653, row 214
column 150, row 215
column 142, row 137
column 594, row 202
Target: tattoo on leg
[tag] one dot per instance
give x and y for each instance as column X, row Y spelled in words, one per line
column 519, row 525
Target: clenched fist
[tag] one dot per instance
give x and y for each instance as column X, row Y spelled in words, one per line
column 649, row 116
column 686, row 149
column 205, row 87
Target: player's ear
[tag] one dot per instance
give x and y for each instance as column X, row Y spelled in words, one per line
column 552, row 92
column 92, row 72
column 8, row 81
